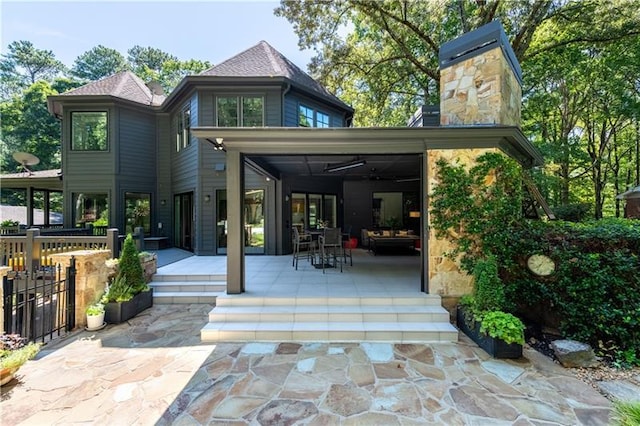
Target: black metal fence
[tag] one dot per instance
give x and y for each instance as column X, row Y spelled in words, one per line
column 40, row 304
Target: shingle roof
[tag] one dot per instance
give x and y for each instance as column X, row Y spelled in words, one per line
column 262, row 60
column 124, row 85
column 37, row 174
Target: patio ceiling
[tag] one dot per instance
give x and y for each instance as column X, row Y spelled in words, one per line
column 376, row 167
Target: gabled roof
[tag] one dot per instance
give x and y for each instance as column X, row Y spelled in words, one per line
column 262, row 60
column 124, row 85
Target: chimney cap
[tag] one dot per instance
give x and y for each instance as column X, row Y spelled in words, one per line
column 480, row 40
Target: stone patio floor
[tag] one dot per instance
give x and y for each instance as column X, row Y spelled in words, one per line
column 153, row 370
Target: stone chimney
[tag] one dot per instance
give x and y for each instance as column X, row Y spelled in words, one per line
column 480, row 79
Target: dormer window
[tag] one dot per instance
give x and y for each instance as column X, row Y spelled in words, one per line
column 308, row 117
column 240, row 111
column 89, row 131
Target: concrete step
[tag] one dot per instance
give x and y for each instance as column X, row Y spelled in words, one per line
column 179, row 286
column 243, row 300
column 239, row 318
column 158, row 277
column 174, row 289
column 186, row 297
column 329, row 313
column 398, row 332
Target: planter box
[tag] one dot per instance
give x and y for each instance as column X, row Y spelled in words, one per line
column 117, row 312
column 497, row 348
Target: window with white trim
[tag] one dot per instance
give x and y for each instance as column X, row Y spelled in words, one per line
column 240, row 111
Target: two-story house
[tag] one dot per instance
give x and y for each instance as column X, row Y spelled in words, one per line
column 236, row 156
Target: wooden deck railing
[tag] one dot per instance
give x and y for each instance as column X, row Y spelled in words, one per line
column 33, row 250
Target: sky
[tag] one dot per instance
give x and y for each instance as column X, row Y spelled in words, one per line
column 210, row 30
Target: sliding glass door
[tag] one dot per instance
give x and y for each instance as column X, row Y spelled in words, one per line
column 312, row 211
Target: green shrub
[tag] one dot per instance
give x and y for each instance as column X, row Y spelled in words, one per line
column 572, row 212
column 129, row 280
column 14, row 351
column 489, row 291
column 502, row 325
column 595, row 289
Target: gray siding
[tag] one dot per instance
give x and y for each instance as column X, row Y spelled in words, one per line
column 163, row 150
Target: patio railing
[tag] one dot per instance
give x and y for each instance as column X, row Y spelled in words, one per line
column 31, row 251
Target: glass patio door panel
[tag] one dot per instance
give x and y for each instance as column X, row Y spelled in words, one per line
column 253, row 221
column 221, row 221
column 183, row 221
column 330, row 211
column 315, row 210
column 299, row 211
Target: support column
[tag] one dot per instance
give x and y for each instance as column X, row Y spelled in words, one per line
column 424, row 224
column 235, row 223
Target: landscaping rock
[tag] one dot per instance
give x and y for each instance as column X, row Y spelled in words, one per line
column 620, row 389
column 573, row 354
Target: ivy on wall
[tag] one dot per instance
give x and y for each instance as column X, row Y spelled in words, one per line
column 469, row 207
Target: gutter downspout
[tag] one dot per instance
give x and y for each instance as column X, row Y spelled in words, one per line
column 284, row 93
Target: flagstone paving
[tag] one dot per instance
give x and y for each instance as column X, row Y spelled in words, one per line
column 153, row 370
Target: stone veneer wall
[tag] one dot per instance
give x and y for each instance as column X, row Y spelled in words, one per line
column 92, row 275
column 480, row 90
column 445, row 276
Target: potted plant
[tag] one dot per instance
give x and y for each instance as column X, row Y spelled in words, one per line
column 95, row 316
column 480, row 316
column 14, row 352
column 128, row 294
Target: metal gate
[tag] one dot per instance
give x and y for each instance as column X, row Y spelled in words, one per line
column 40, row 304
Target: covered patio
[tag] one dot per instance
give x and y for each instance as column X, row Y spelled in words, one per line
column 258, row 146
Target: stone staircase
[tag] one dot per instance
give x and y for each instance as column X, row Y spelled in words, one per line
column 415, row 319
column 168, row 288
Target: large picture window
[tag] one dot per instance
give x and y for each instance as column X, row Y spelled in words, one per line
column 240, row 111
column 89, row 131
column 90, row 209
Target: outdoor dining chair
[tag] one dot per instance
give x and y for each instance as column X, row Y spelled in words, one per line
column 302, row 241
column 331, row 248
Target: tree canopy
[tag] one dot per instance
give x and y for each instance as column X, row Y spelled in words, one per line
column 581, row 66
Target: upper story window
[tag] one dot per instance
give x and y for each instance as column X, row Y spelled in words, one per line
column 308, row 117
column 322, row 119
column 89, row 131
column 240, row 111
column 183, row 136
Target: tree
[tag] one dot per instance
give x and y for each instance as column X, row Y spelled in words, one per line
column 172, row 72
column 142, row 59
column 98, row 63
column 27, row 126
column 23, row 65
column 388, row 56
